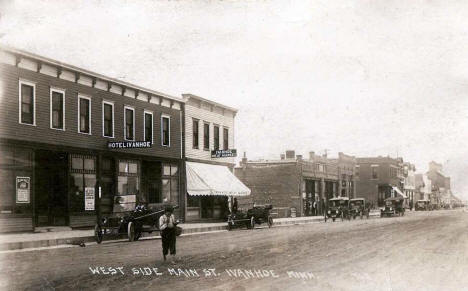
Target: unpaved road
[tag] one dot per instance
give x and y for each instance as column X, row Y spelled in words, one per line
column 421, row 251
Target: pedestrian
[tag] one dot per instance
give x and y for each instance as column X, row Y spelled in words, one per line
column 234, row 206
column 167, row 226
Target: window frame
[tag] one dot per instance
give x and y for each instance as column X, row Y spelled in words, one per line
column 105, row 102
column 152, row 125
column 125, row 122
column 162, row 130
column 225, row 138
column 376, row 167
column 197, row 121
column 20, row 101
column 216, row 146
column 61, row 91
column 80, row 96
column 206, row 147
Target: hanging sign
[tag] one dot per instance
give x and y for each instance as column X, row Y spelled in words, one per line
column 224, row 153
column 23, row 189
column 89, row 198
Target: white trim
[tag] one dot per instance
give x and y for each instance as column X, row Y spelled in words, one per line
column 152, row 125
column 169, row 127
column 80, row 96
column 125, row 122
column 32, row 84
column 104, row 102
column 61, row 91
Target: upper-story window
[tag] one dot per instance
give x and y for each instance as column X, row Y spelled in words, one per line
column 107, row 119
column 225, row 138
column 27, row 99
column 148, row 125
column 206, row 136
column 84, row 114
column 216, row 137
column 165, row 130
column 374, row 169
column 195, row 133
column 129, row 122
column 57, row 109
column 320, row 167
column 357, row 171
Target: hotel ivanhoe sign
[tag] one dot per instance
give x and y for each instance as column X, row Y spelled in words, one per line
column 224, row 153
column 129, row 145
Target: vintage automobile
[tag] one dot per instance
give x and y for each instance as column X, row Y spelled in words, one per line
column 423, row 205
column 257, row 215
column 358, row 207
column 393, row 206
column 127, row 218
column 337, row 208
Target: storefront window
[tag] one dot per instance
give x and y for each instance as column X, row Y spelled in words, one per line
column 82, row 175
column 170, row 183
column 129, row 179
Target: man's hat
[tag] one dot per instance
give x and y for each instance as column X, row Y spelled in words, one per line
column 168, row 208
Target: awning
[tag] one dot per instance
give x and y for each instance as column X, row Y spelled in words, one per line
column 399, row 192
column 206, row 179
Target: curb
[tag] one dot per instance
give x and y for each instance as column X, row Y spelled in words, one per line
column 11, row 246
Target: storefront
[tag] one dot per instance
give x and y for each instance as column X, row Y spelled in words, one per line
column 210, row 189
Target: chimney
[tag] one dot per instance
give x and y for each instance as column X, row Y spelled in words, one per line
column 311, row 155
column 282, row 156
column 290, row 154
column 299, row 157
column 244, row 159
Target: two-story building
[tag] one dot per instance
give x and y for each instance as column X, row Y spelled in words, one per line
column 210, row 158
column 409, row 184
column 71, row 138
column 346, row 165
column 379, row 178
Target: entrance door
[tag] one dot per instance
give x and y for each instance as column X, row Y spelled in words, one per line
column 51, row 188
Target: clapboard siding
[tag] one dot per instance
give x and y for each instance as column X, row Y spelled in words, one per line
column 82, row 221
column 16, row 224
column 12, row 129
column 205, row 115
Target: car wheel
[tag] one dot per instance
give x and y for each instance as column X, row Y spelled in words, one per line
column 98, row 235
column 333, row 219
column 131, row 231
column 270, row 221
column 252, row 222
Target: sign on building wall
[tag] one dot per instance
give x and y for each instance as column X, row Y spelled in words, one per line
column 129, row 144
column 23, row 189
column 224, row 153
column 89, row 198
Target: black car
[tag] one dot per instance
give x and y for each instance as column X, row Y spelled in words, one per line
column 337, row 208
column 393, row 207
column 257, row 215
column 358, row 207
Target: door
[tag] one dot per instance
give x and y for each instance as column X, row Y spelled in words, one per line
column 51, row 188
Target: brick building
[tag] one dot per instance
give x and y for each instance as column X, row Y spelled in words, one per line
column 293, row 185
column 346, row 175
column 441, row 188
column 69, row 136
column 379, row 178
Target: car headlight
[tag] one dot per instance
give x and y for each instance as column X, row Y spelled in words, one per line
column 329, row 212
column 391, row 209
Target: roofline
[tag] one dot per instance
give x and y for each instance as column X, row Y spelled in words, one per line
column 187, row 96
column 86, row 72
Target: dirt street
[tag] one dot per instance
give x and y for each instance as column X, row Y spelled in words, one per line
column 420, row 251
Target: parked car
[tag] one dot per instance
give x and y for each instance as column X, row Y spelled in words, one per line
column 359, row 207
column 393, row 206
column 423, row 205
column 337, row 208
column 257, row 215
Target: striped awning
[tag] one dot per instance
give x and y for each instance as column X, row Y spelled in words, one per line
column 399, row 192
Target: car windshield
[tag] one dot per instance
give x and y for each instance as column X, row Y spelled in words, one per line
column 356, row 203
column 388, row 203
column 334, row 203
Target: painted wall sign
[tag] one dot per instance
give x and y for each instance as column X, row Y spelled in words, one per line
column 23, row 189
column 89, row 198
column 224, row 153
column 129, row 144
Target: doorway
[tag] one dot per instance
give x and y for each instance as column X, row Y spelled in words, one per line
column 51, row 188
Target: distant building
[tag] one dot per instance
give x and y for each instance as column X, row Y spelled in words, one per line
column 409, row 186
column 440, row 184
column 379, row 178
column 346, row 175
column 423, row 187
column 292, row 184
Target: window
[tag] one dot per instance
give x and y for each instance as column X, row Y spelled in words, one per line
column 129, row 122
column 357, row 171
column 374, row 170
column 82, row 176
column 216, row 137
column 206, row 136
column 57, row 109
column 148, row 124
column 170, row 183
column 165, row 130
column 195, row 133
column 129, row 178
column 107, row 119
column 225, row 138
column 27, row 110
column 320, row 167
column 84, row 115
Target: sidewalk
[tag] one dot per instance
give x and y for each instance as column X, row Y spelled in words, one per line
column 17, row 241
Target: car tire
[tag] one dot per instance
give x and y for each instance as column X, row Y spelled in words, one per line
column 131, row 231
column 98, row 235
column 252, row 222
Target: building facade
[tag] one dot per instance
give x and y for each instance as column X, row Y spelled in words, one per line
column 379, row 178
column 293, row 185
column 72, row 140
column 346, row 166
column 441, row 188
column 209, row 155
column 409, row 184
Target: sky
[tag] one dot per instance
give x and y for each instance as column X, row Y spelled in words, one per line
column 366, row 78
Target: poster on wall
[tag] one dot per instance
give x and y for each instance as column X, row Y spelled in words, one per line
column 89, row 198
column 23, row 189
